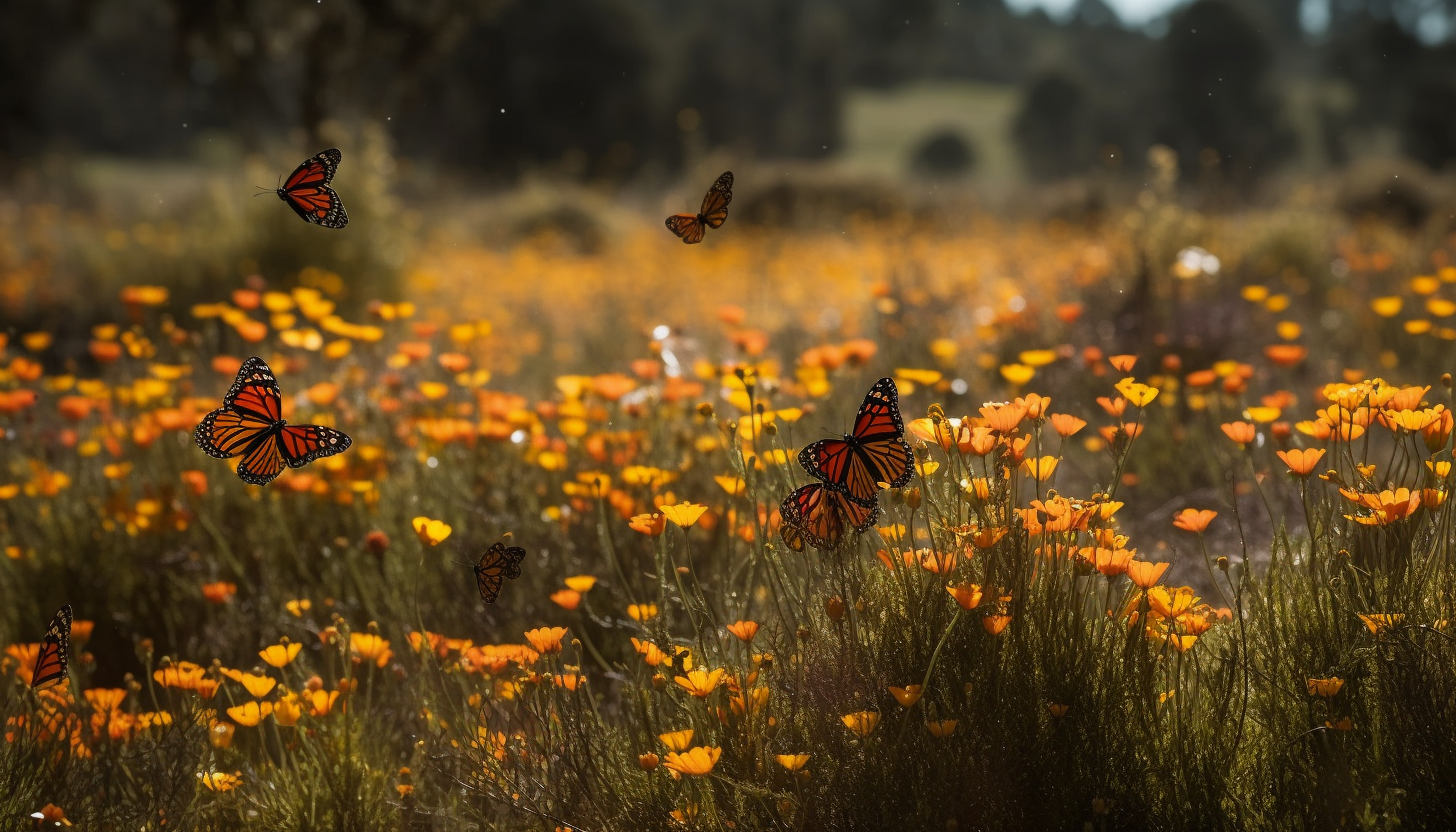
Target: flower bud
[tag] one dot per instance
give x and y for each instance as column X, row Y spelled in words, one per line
column 835, row 607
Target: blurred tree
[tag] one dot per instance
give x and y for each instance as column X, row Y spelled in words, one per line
column 32, row 37
column 1094, row 13
column 302, row 63
column 1380, row 61
column 1216, row 92
column 767, row 76
column 1428, row 131
column 1053, row 130
column 566, row 82
column 945, row 153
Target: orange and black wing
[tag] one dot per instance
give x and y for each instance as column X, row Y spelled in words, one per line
column 496, row 565
column 302, row 444
column 308, row 193
column 248, row 425
column 793, row 537
column 255, row 392
column 249, row 412
column 880, row 449
column 874, row 453
column 225, row 433
column 855, row 515
column 828, row 460
column 262, row 462
column 715, row 203
column 50, row 663
column 818, row 515
column 686, row 226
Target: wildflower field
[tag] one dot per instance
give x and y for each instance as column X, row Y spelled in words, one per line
column 1176, row 552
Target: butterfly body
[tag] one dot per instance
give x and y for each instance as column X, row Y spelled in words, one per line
column 250, row 424
column 308, row 193
column 499, row 563
column 50, row 662
column 712, row 214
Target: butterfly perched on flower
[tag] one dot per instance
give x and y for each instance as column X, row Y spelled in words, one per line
column 692, row 227
column 497, row 564
column 50, row 662
column 250, row 424
column 873, row 453
column 819, row 515
column 308, row 193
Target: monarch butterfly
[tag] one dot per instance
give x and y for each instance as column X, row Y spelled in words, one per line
column 495, row 566
column 50, row 662
column 873, row 453
column 817, row 514
column 250, row 422
column 308, row 193
column 692, row 227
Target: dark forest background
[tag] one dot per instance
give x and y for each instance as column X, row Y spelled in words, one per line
column 498, row 87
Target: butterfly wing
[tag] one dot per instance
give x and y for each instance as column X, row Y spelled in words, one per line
column 318, row 204
column 255, row 392
column 249, row 412
column 856, row 516
column 879, row 414
column 878, row 453
column 514, row 556
column 318, row 170
column 50, row 662
column 302, row 444
column 262, row 462
column 811, row 511
column 225, row 433
column 495, row 566
column 308, row 193
column 687, row 227
column 490, row 572
column 715, row 202
column 792, row 536
column 828, row 460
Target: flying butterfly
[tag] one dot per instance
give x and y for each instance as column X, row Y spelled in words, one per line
column 250, row 424
column 497, row 564
column 874, row 452
column 50, row 662
column 692, row 227
column 308, row 193
column 818, row 515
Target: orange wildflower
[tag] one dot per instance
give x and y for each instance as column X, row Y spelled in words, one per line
column 219, row 592
column 1066, row 425
column 967, row 596
column 700, row 682
column 862, row 723
column 568, row 599
column 1194, row 520
column 546, row 639
column 1144, row 574
column 1302, row 461
column 744, row 630
column 649, row 524
column 370, row 648
column 1240, row 432
column 694, row 762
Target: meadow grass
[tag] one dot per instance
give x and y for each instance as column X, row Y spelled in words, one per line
column 1004, row 650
